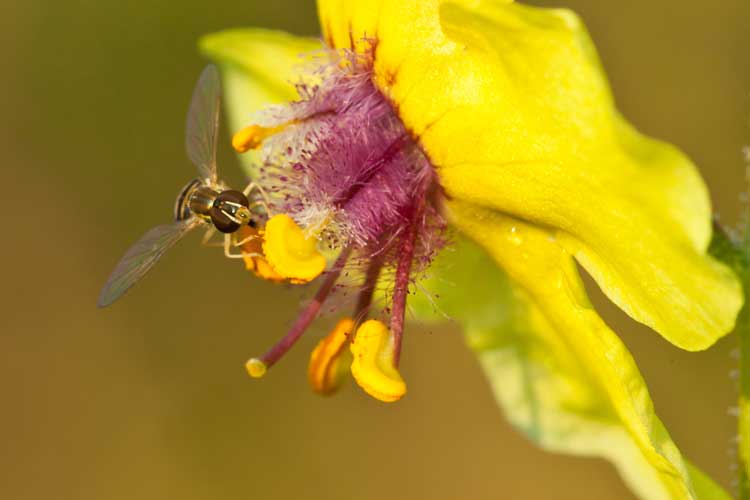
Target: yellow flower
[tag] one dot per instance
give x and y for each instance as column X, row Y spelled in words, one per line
column 509, row 105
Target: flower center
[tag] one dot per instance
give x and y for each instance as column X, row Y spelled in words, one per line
column 340, row 168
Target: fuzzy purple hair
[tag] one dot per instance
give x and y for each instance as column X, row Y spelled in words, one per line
column 344, row 163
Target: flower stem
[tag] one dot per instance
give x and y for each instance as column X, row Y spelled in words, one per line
column 743, row 453
column 742, row 242
column 743, row 333
column 733, row 248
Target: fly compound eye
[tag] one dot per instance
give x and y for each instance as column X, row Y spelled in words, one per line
column 230, row 211
column 243, row 215
column 232, row 197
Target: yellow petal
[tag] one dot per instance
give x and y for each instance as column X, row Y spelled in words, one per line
column 513, row 109
column 258, row 68
column 559, row 373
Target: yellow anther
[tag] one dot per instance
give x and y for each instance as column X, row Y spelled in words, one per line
column 252, row 137
column 252, row 249
column 373, row 367
column 289, row 252
column 255, row 367
column 330, row 359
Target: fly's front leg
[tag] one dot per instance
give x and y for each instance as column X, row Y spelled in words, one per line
column 228, row 248
column 206, row 240
column 228, row 244
column 249, row 188
column 265, row 203
column 245, row 240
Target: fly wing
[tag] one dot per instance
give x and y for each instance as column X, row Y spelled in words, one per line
column 203, row 123
column 141, row 257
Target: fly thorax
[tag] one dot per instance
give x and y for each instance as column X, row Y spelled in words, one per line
column 201, row 200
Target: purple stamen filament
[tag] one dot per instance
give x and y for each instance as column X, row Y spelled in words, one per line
column 368, row 288
column 369, row 171
column 308, row 314
column 401, row 286
column 354, row 165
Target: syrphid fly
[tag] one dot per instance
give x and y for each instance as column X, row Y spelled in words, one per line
column 205, row 201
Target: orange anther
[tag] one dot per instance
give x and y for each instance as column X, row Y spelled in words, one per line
column 251, row 137
column 330, row 358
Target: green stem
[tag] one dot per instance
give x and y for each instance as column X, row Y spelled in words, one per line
column 743, row 455
column 743, row 332
column 734, row 250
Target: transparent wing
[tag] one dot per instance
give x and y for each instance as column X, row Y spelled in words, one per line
column 203, row 123
column 141, row 257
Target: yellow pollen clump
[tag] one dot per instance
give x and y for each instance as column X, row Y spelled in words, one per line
column 373, row 367
column 328, row 361
column 289, row 252
column 255, row 367
column 252, row 249
column 251, row 137
column 262, row 269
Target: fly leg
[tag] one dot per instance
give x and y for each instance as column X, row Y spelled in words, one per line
column 265, row 202
column 229, row 243
column 206, row 240
column 245, row 240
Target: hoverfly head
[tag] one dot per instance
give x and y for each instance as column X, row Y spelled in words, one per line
column 230, row 211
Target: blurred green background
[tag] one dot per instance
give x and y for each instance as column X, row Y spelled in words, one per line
column 149, row 399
